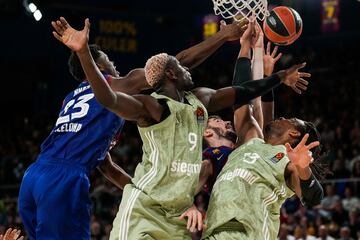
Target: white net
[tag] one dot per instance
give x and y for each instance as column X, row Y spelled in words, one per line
column 234, row 8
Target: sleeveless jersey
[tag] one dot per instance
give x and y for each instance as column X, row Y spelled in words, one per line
column 249, row 191
column 83, row 130
column 218, row 157
column 171, row 162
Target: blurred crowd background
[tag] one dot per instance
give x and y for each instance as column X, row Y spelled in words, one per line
column 35, row 79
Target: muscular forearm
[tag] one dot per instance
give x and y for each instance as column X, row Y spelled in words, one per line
column 103, row 93
column 115, row 174
column 195, row 55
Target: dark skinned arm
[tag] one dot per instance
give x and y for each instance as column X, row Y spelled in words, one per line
column 142, row 109
column 194, row 56
column 134, row 82
column 112, row 172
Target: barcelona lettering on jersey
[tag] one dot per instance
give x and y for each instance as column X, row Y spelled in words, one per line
column 83, row 131
column 218, row 157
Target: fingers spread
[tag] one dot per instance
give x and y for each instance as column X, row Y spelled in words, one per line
column 303, row 141
column 299, row 66
column 313, row 144
column 87, row 25
column 278, row 57
column 188, row 222
column 200, row 221
column 298, row 91
column 57, row 36
column 303, row 81
column 274, row 51
column 55, row 26
column 268, row 48
column 304, row 74
column 60, row 26
column 288, row 147
column 301, row 86
column 64, row 22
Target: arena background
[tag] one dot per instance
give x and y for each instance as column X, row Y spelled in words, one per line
column 35, row 78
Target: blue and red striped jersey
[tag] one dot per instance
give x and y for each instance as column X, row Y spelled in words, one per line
column 218, row 157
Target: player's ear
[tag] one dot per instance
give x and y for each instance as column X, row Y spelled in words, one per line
column 208, row 132
column 170, row 73
column 294, row 133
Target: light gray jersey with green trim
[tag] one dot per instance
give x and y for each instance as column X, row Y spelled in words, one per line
column 170, row 167
column 250, row 190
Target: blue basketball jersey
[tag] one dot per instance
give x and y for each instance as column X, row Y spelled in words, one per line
column 83, row 131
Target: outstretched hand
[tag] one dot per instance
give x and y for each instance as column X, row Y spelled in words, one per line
column 252, row 33
column 194, row 219
column 234, row 30
column 270, row 58
column 301, row 156
column 294, row 79
column 258, row 36
column 11, row 234
column 74, row 39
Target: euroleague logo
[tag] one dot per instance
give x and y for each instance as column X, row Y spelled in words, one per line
column 277, row 157
column 200, row 115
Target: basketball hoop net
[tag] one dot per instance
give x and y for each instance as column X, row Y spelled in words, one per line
column 234, row 8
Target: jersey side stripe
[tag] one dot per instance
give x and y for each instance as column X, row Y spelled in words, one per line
column 145, row 180
column 273, row 197
column 123, row 222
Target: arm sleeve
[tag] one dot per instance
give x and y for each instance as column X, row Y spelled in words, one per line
column 268, row 97
column 242, row 71
column 312, row 192
column 252, row 89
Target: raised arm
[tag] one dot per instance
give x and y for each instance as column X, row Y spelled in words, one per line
column 197, row 54
column 247, row 118
column 267, row 100
column 300, row 178
column 134, row 82
column 130, row 108
column 222, row 98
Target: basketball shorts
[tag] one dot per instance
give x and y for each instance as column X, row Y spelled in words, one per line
column 54, row 201
column 140, row 217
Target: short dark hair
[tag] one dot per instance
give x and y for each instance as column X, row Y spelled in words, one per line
column 74, row 64
column 319, row 168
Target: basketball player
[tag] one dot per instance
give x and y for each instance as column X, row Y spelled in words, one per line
column 171, row 123
column 53, row 199
column 266, row 168
column 220, row 135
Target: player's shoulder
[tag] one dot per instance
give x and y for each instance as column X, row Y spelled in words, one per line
column 254, row 141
